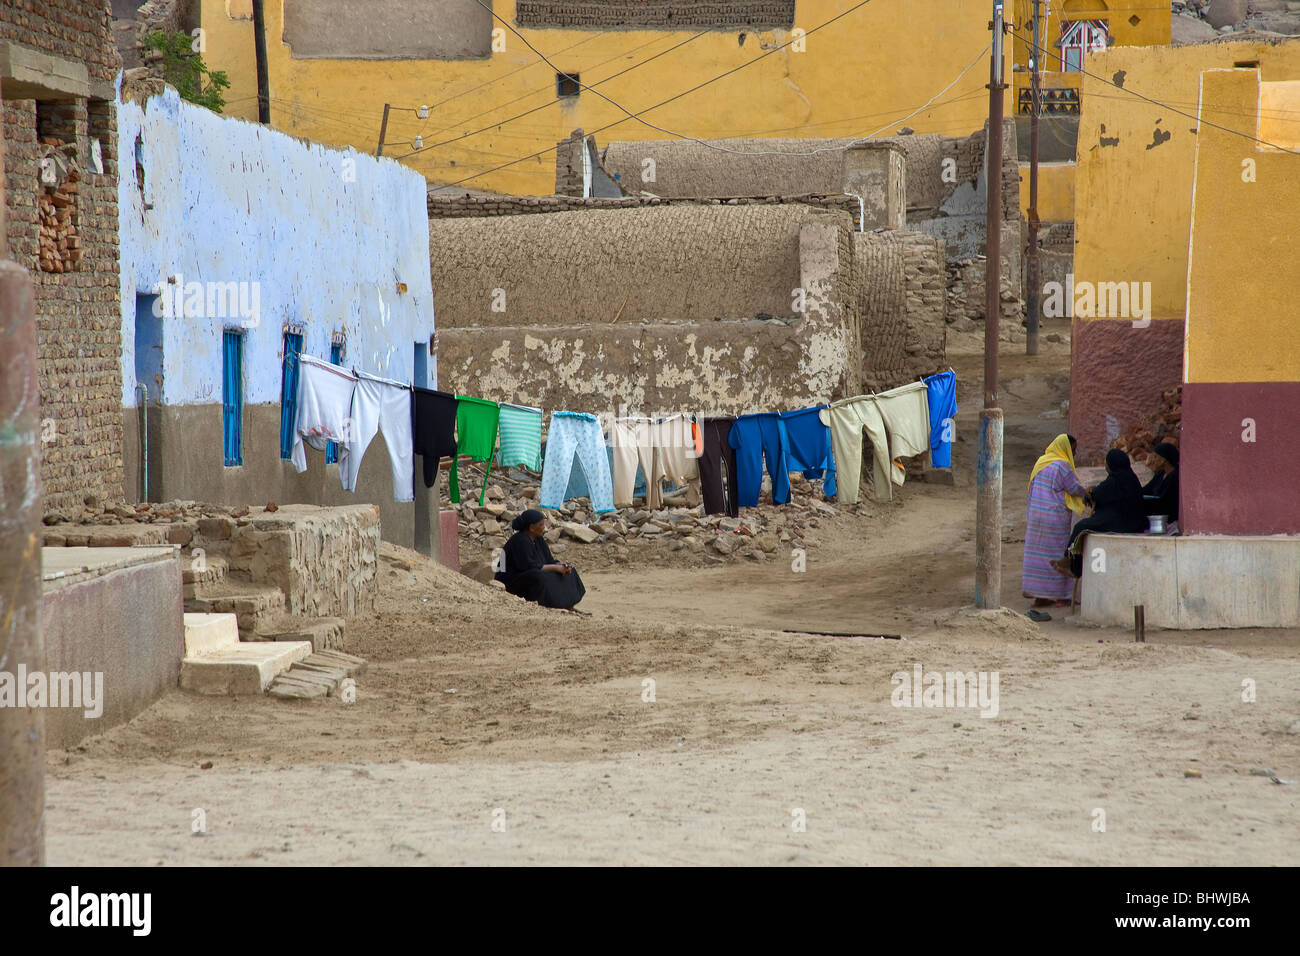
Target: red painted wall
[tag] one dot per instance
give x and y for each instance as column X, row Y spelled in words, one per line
column 1231, row 486
column 1119, row 370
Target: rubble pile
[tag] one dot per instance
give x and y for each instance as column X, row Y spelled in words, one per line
column 1195, row 21
column 60, row 245
column 1164, row 424
column 680, row 525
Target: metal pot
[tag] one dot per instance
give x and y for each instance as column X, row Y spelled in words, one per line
column 1156, row 524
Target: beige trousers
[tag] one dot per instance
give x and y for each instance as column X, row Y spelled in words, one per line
column 847, row 418
column 663, row 450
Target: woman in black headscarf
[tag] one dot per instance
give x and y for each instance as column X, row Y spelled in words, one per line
column 1160, row 494
column 1117, row 508
column 532, row 572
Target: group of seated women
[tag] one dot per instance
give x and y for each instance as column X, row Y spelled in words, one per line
column 1121, row 504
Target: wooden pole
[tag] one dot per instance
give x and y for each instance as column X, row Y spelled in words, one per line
column 1140, row 623
column 1033, row 271
column 988, row 475
column 259, row 51
column 383, row 128
column 22, row 729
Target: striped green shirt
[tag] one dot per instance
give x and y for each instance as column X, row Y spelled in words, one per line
column 521, row 436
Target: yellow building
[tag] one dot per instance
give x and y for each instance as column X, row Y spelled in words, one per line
column 1069, row 31
column 496, row 109
column 1133, row 220
column 1241, row 391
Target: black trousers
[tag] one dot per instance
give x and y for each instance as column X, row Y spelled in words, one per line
column 719, row 483
column 548, row 588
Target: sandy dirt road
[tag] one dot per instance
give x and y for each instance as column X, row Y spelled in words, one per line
column 489, row 731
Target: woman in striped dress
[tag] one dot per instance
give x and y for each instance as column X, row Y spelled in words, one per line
column 1055, row 497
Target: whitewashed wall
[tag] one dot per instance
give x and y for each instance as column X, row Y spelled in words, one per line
column 326, row 233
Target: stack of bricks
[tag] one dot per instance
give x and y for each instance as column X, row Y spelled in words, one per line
column 56, row 209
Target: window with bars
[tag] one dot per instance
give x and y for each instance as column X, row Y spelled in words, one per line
column 232, row 396
column 1079, row 38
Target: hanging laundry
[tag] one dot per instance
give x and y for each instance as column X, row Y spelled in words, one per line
column 324, row 410
column 476, row 436
column 576, row 433
column 717, row 466
column 756, row 437
column 906, row 411
column 941, row 396
column 847, row 418
column 381, row 405
column 521, row 436
column 662, row 449
column 808, row 446
column 433, row 429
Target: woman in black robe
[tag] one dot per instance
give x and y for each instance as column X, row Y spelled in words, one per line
column 532, row 572
column 1117, row 508
column 1160, row 494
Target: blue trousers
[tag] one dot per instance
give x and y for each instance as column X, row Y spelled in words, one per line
column 808, row 446
column 756, row 437
column 576, row 433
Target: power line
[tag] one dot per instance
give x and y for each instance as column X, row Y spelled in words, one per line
column 634, row 66
column 698, row 86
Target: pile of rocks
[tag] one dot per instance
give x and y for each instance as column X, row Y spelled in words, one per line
column 680, row 525
column 1164, row 424
column 1197, row 20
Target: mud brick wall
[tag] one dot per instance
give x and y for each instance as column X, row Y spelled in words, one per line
column 468, row 205
column 653, row 14
column 78, row 310
column 903, row 304
column 323, row 559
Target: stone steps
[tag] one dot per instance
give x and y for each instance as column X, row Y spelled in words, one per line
column 255, row 605
column 324, row 633
column 317, row 675
column 217, row 662
column 196, row 572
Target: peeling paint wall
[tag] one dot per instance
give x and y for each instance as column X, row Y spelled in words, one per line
column 326, row 234
column 663, row 308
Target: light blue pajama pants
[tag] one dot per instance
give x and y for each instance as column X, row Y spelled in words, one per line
column 576, row 433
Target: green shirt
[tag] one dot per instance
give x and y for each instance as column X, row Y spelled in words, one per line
column 476, row 436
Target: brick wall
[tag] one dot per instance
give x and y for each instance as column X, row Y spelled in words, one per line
column 902, row 287
column 653, row 14
column 78, row 310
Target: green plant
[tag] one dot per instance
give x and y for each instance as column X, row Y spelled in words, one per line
column 183, row 68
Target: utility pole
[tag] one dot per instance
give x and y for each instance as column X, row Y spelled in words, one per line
column 988, row 477
column 1032, row 266
column 22, row 729
column 383, row 128
column 259, row 50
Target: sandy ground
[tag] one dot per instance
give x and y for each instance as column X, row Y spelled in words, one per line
column 489, row 731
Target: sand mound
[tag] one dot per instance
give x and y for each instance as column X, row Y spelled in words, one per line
column 1002, row 622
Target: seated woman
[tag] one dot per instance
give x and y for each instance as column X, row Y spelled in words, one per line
column 1160, row 494
column 1117, row 508
column 532, row 572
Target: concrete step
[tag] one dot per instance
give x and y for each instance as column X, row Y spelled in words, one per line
column 205, row 633
column 209, row 569
column 256, row 605
column 243, row 669
column 318, row 675
column 323, row 632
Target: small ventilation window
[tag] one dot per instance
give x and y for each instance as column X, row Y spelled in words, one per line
column 1134, row 20
column 567, row 84
column 1247, row 65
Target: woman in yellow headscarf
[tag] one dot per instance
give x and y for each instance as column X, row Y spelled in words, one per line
column 1055, row 497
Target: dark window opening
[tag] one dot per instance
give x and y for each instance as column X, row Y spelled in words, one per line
column 1247, row 65
column 567, row 84
column 337, row 350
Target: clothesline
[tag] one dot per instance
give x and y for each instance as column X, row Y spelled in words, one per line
column 725, row 452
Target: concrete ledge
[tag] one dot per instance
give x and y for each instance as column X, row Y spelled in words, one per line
column 1192, row 582
column 116, row 612
column 245, row 669
column 27, row 74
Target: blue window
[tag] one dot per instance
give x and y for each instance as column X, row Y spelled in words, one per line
column 332, row 448
column 289, row 391
column 232, row 396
